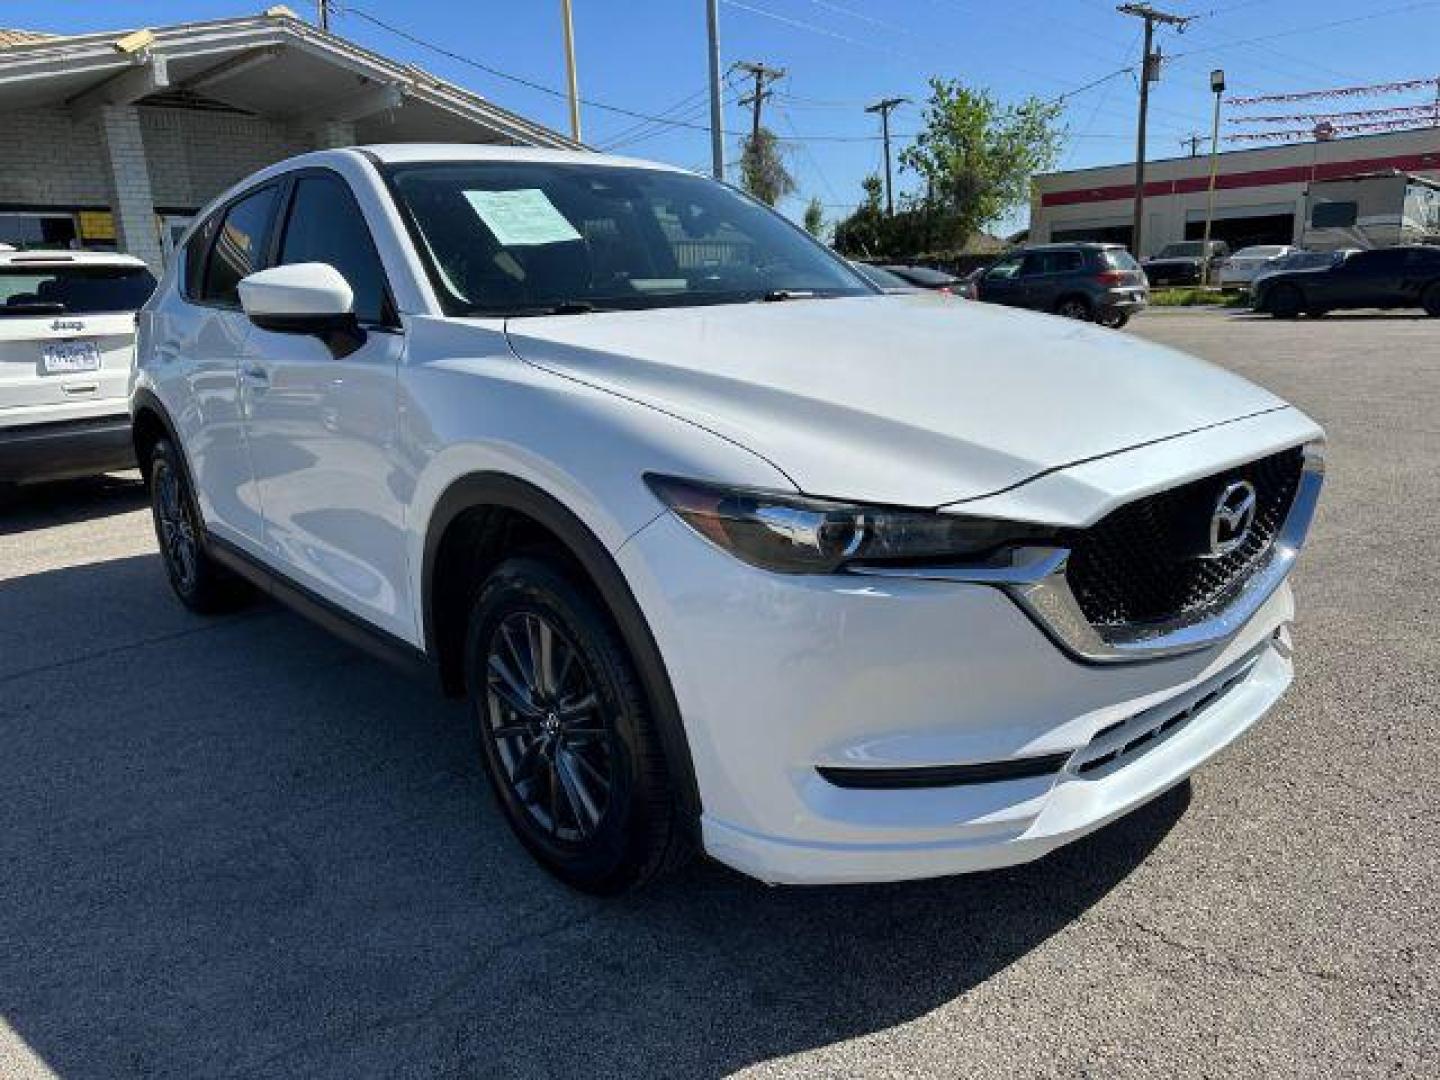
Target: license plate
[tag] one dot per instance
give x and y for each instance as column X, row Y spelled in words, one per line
column 68, row 357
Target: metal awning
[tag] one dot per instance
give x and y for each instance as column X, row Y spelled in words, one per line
column 273, row 66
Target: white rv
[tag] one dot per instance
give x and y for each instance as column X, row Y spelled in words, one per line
column 1371, row 210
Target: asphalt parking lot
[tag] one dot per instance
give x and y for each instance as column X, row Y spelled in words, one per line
column 237, row 847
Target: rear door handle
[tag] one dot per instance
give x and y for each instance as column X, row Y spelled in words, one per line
column 256, row 373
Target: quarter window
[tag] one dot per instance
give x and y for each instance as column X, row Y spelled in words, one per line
column 239, row 248
column 327, row 226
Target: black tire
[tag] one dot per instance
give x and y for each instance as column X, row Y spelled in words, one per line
column 1430, row 300
column 1113, row 319
column 585, row 789
column 202, row 584
column 1285, row 302
column 1074, row 307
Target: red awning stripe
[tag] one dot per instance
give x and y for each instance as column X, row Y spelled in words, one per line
column 1293, row 174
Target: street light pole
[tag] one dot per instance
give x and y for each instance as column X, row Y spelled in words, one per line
column 570, row 69
column 1217, row 85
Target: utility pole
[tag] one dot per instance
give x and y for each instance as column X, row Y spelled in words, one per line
column 1194, row 142
column 884, row 108
column 571, row 77
column 763, row 76
column 323, row 11
column 717, row 139
column 1149, row 72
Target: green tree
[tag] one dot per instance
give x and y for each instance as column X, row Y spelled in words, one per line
column 815, row 218
column 864, row 232
column 975, row 158
column 762, row 168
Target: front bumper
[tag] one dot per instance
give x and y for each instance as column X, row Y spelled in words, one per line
column 64, row 449
column 778, row 675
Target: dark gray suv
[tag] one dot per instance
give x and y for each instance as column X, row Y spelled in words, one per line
column 1097, row 282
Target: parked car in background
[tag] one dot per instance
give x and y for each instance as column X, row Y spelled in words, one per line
column 1183, row 263
column 1302, row 260
column 884, row 280
column 923, row 277
column 67, row 339
column 1096, row 282
column 1371, row 210
column 1397, row 277
column 733, row 553
column 1241, row 268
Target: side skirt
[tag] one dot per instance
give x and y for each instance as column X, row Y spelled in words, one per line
column 317, row 609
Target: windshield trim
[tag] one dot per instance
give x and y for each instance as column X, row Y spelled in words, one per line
column 453, row 306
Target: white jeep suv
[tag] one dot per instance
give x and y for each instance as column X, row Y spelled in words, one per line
column 67, row 339
column 724, row 546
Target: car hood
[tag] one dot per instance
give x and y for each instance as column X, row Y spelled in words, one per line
column 908, row 400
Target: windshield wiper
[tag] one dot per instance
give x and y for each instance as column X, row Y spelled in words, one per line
column 560, row 307
column 775, row 296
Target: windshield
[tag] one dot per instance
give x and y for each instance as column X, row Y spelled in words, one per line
column 530, row 238
column 1183, row 251
column 72, row 290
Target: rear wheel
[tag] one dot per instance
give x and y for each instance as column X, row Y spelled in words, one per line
column 202, row 584
column 1430, row 300
column 1074, row 307
column 566, row 733
column 1285, row 302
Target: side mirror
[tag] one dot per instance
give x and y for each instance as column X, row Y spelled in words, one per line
column 303, row 298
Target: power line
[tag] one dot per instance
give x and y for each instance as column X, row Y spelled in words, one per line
column 551, row 91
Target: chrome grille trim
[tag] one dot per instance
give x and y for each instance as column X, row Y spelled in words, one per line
column 1035, row 578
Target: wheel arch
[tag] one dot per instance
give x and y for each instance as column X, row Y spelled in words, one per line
column 149, row 423
column 460, row 531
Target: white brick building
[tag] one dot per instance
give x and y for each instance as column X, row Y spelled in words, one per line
column 1259, row 193
column 114, row 140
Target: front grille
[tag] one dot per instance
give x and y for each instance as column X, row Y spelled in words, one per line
column 1144, row 563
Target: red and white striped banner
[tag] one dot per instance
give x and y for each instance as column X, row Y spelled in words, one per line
column 1306, row 134
column 1390, row 112
column 1375, row 89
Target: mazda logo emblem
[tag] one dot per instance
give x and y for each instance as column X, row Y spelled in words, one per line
column 1232, row 519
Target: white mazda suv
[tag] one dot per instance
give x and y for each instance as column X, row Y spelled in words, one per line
column 725, row 547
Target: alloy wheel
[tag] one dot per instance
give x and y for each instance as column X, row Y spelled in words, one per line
column 554, row 744
column 177, row 531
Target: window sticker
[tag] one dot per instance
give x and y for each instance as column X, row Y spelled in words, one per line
column 521, row 218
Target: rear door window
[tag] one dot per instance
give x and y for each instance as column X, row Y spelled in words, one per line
column 239, row 247
column 326, row 225
column 1334, row 215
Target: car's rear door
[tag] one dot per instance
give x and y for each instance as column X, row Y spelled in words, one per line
column 195, row 342
column 322, row 422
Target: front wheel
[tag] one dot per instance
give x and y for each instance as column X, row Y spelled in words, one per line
column 1074, row 307
column 566, row 732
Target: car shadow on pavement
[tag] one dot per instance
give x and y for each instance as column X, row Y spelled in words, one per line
column 27, row 507
column 236, row 846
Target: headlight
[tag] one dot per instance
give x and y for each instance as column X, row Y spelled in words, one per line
column 797, row 535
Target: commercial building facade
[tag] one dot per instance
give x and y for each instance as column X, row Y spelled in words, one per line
column 1259, row 193
column 112, row 141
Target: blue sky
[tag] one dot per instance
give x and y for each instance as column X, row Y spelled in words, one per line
column 649, row 56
